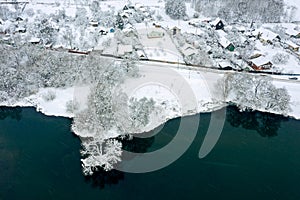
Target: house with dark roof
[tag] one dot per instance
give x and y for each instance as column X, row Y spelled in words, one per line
column 218, row 24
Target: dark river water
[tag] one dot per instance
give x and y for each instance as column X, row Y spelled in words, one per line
column 256, row 157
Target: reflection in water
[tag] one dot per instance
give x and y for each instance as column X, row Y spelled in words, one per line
column 137, row 145
column 13, row 113
column 101, row 178
column 266, row 124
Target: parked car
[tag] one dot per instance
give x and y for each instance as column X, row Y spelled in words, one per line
column 293, row 78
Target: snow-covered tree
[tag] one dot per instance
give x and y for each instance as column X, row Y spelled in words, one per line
column 119, row 22
column 280, row 58
column 257, row 93
column 139, row 112
column 176, row 9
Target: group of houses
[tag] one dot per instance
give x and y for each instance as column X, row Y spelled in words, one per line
column 264, row 35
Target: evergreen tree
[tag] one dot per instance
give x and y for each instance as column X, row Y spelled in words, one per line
column 119, row 22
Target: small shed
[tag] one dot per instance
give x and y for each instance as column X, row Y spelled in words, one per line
column 225, row 65
column 21, row 30
column 218, row 24
column 19, row 19
column 94, row 23
column 155, row 34
column 126, row 7
column 176, row 30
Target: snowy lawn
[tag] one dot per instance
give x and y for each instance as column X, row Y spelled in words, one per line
column 158, row 48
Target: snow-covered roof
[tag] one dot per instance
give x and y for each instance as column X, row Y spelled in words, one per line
column 139, row 5
column 292, row 44
column 215, row 22
column 141, row 54
column 292, row 32
column 240, row 28
column 101, row 28
column 175, row 27
column 224, row 64
column 267, row 34
column 187, row 46
column 260, row 61
column 255, row 54
column 34, row 40
column 189, row 52
column 155, row 34
column 94, row 23
column 123, row 49
column 224, row 42
column 20, row 29
column 143, row 9
column 99, row 48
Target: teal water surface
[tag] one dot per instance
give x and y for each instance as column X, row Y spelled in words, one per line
column 257, row 157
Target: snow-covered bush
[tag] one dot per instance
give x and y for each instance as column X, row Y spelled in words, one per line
column 139, row 112
column 280, row 58
column 72, row 106
column 49, row 96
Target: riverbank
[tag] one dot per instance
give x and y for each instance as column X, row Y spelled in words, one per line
column 177, row 93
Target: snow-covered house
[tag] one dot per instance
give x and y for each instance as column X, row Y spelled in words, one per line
column 224, row 42
column 35, row 40
column 94, row 23
column 217, row 23
column 255, row 54
column 266, row 36
column 19, row 19
column 139, row 6
column 103, row 30
column 21, row 30
column 292, row 46
column 124, row 50
column 241, row 29
column 176, row 30
column 141, row 54
column 260, row 63
column 126, row 7
column 125, row 15
column 188, row 50
column 293, row 33
column 155, row 34
column 226, row 65
column 156, row 24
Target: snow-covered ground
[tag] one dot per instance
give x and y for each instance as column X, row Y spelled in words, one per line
column 295, row 3
column 158, row 48
column 178, row 92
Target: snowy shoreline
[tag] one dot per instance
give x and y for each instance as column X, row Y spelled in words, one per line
column 207, row 100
